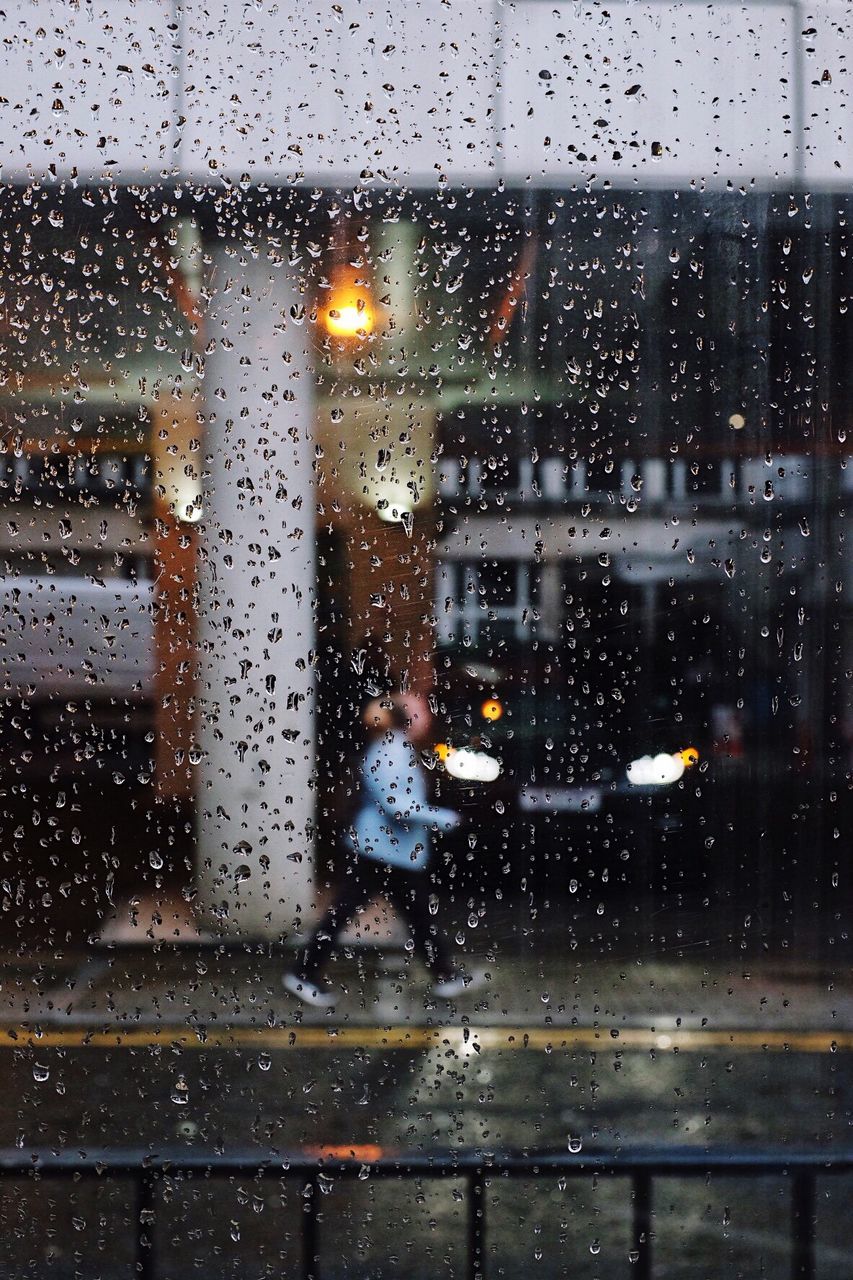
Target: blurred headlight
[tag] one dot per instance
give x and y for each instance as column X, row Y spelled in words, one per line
column 472, row 766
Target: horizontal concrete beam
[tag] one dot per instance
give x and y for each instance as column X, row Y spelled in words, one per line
column 426, row 93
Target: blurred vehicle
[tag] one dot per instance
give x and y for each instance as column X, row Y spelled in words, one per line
column 69, row 637
column 585, row 780
column 77, row 671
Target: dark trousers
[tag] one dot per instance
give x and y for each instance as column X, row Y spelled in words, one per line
column 408, row 891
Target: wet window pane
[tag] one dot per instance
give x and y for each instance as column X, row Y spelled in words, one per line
column 425, row 638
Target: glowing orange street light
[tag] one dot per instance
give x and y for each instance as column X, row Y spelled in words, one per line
column 350, row 311
column 491, row 710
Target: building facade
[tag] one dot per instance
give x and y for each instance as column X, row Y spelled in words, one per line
column 500, row 350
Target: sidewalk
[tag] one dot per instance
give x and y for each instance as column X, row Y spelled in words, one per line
column 545, row 970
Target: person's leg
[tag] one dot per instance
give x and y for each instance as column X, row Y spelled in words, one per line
column 358, row 887
column 410, row 891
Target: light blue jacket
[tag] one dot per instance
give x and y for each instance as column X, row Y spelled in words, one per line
column 394, row 820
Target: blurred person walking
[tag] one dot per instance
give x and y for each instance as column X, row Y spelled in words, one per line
column 390, row 839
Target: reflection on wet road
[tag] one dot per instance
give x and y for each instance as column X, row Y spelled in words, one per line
column 399, row 1086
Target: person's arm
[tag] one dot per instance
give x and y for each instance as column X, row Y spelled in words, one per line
column 393, row 780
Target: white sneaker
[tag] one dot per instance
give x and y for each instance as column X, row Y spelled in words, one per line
column 455, row 986
column 307, row 992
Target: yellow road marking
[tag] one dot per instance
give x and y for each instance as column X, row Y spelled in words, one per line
column 472, row 1039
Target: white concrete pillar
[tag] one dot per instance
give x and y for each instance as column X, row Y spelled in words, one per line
column 255, row 793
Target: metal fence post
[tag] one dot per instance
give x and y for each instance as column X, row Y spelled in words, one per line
column 803, row 1225
column 642, row 1225
column 145, row 1215
column 476, row 1224
column 310, row 1198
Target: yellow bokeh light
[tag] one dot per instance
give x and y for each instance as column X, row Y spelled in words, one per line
column 690, row 756
column 442, row 750
column 347, row 320
column 349, row 311
column 491, row 709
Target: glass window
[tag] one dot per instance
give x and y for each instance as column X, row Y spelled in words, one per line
column 425, row 639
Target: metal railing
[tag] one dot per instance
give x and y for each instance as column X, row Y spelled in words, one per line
column 639, row 1167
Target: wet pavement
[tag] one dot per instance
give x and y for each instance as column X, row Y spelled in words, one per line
column 587, row 1035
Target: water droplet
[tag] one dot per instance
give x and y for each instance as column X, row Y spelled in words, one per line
column 180, row 1094
column 40, row 1072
